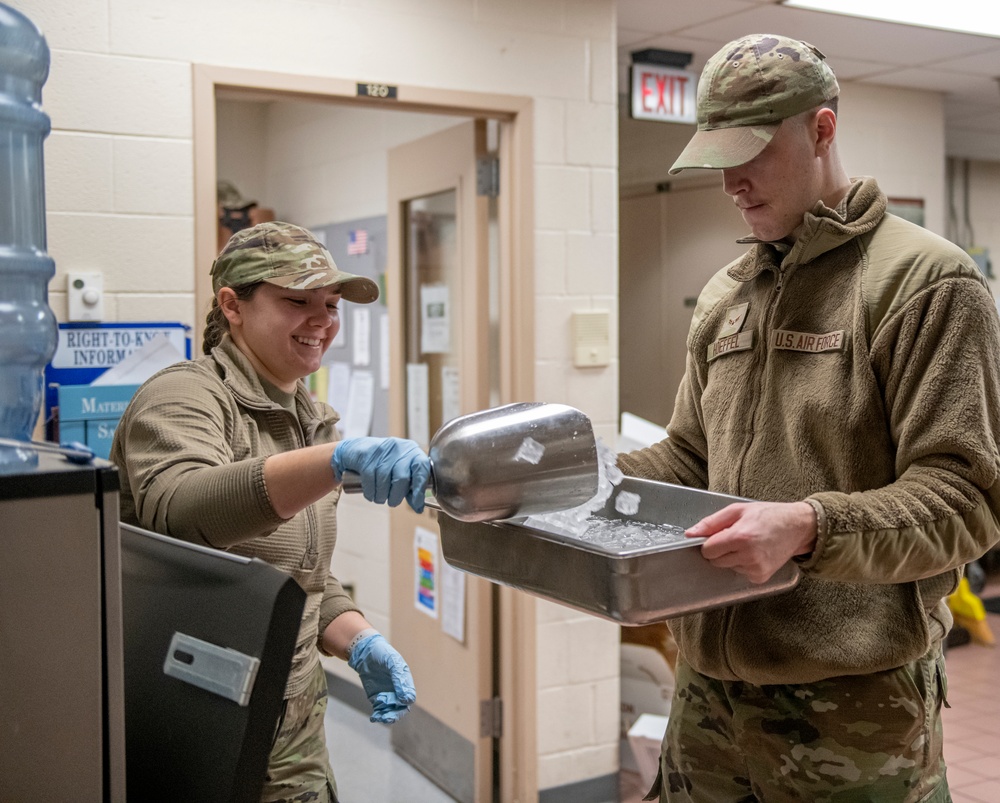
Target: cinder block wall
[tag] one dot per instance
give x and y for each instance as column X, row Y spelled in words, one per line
column 119, row 185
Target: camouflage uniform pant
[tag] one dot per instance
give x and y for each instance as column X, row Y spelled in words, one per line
column 874, row 738
column 298, row 770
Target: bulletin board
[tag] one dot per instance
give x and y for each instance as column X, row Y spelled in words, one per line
column 355, row 377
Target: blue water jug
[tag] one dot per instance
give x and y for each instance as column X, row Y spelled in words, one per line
column 28, row 329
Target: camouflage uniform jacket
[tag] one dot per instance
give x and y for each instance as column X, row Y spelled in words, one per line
column 191, row 448
column 857, row 369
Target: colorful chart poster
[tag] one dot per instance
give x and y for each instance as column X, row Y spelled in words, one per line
column 426, row 576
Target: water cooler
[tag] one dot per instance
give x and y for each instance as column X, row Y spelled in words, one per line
column 61, row 667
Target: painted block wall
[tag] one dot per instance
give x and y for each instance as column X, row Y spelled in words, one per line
column 119, row 185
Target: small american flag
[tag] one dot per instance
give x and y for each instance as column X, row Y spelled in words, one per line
column 357, row 242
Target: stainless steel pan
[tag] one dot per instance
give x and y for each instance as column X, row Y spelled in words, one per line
column 513, row 460
column 628, row 585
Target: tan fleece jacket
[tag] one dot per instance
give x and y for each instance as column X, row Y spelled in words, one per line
column 191, row 448
column 863, row 376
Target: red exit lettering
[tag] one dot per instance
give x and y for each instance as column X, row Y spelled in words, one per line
column 663, row 93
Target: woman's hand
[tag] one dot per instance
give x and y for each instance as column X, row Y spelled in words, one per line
column 391, row 469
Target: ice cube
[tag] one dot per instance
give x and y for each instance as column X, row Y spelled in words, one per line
column 627, row 503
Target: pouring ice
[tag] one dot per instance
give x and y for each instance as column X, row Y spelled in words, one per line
column 627, row 503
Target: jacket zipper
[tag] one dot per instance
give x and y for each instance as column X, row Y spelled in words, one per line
column 765, row 327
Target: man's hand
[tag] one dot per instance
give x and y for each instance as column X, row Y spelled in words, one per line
column 757, row 538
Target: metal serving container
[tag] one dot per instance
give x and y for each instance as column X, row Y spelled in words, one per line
column 510, row 461
column 631, row 586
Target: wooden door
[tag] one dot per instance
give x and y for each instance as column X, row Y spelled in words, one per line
column 438, row 293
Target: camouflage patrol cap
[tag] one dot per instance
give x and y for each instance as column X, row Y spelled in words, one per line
column 288, row 256
column 746, row 90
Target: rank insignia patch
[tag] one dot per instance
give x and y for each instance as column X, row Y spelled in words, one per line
column 735, row 318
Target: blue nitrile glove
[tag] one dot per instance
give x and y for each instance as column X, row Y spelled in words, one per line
column 391, row 469
column 385, row 677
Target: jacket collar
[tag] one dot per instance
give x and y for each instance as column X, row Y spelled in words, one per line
column 823, row 229
column 239, row 375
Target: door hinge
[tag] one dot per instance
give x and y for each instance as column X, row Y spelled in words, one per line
column 491, row 718
column 488, row 176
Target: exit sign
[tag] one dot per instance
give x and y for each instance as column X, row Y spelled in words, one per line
column 663, row 93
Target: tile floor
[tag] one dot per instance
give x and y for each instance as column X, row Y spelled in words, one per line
column 972, row 724
column 368, row 770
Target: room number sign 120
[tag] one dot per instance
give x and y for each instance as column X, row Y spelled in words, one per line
column 377, row 91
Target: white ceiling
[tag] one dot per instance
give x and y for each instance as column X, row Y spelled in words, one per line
column 965, row 68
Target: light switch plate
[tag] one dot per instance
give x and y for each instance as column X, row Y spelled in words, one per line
column 591, row 338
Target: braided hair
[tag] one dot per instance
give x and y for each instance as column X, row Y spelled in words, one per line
column 216, row 323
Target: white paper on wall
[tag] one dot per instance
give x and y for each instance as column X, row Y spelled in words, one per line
column 417, row 404
column 361, row 336
column 357, row 420
column 383, row 339
column 435, row 319
column 451, row 406
column 453, row 601
column 339, row 388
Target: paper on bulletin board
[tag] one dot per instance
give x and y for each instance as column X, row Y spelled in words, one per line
column 357, row 420
column 417, row 412
column 453, row 602
column 435, row 319
column 383, row 352
column 451, row 405
column 339, row 387
column 361, row 336
column 425, row 563
column 339, row 339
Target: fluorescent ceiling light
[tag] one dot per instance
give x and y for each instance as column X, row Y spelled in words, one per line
column 966, row 16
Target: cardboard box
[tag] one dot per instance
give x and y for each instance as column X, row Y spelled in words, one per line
column 645, row 737
column 647, row 687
